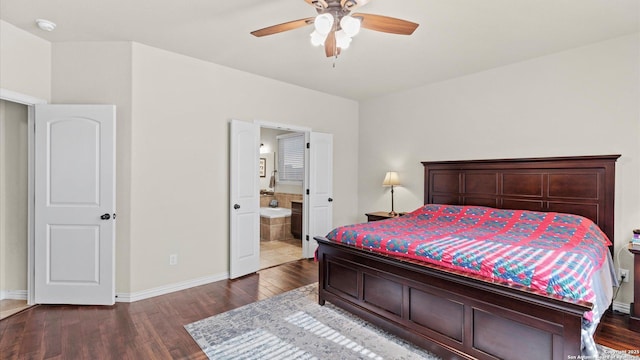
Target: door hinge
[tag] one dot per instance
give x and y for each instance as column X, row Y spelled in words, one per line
column 308, row 146
column 307, row 191
column 307, row 237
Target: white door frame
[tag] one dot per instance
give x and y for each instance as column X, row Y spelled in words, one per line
column 278, row 126
column 30, row 101
column 305, row 184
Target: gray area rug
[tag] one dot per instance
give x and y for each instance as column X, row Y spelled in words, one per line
column 293, row 326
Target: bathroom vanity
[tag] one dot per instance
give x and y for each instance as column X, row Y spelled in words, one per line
column 296, row 219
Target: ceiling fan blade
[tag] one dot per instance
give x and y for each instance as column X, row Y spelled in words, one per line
column 283, row 27
column 353, row 4
column 386, row 24
column 330, row 48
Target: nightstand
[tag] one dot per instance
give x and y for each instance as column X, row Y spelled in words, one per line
column 380, row 215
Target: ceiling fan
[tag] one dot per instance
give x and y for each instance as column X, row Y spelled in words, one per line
column 335, row 25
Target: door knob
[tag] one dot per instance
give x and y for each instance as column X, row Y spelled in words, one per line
column 236, row 206
column 330, row 200
column 105, row 217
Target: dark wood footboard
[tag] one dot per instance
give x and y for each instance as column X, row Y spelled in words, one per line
column 448, row 314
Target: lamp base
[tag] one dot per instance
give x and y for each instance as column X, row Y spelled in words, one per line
column 393, row 213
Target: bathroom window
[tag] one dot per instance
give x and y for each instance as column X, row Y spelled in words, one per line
column 291, row 157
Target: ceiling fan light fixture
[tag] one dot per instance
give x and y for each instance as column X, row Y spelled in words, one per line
column 317, row 39
column 323, row 23
column 334, row 27
column 350, row 25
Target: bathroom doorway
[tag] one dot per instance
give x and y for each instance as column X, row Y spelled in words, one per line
column 13, row 207
column 244, row 192
column 282, row 172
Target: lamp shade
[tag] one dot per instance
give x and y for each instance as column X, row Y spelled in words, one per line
column 391, row 179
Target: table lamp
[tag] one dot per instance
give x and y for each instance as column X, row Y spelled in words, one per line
column 391, row 179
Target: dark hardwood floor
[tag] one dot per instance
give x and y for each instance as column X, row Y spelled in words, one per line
column 146, row 329
column 153, row 328
column 614, row 332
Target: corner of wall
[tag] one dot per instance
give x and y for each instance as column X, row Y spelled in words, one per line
column 25, row 62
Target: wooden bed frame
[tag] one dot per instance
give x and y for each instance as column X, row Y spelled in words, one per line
column 461, row 317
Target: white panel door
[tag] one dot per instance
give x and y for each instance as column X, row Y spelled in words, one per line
column 244, row 184
column 320, row 201
column 75, row 204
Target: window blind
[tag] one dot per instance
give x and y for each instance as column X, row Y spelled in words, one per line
column 291, row 157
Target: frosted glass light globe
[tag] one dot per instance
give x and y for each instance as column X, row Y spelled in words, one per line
column 317, row 39
column 323, row 23
column 342, row 40
column 350, row 25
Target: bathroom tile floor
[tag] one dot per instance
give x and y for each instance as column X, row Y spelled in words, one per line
column 278, row 252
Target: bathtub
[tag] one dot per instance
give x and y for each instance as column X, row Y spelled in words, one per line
column 270, row 213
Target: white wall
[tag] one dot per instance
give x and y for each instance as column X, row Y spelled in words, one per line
column 179, row 193
column 25, row 62
column 578, row 102
column 13, row 197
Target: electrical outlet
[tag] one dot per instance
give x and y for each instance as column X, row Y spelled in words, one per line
column 173, row 259
column 624, row 273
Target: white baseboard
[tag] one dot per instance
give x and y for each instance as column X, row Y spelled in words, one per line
column 13, row 295
column 167, row 289
column 622, row 307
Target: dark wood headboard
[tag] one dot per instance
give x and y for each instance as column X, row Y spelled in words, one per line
column 582, row 185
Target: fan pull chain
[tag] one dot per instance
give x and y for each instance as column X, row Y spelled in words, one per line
column 335, row 43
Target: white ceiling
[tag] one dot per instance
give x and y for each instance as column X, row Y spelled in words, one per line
column 455, row 37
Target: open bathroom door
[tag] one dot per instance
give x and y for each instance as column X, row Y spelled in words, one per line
column 244, row 186
column 320, row 191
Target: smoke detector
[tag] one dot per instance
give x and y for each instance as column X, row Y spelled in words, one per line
column 45, row 25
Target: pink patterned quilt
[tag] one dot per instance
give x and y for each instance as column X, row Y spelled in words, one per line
column 549, row 253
